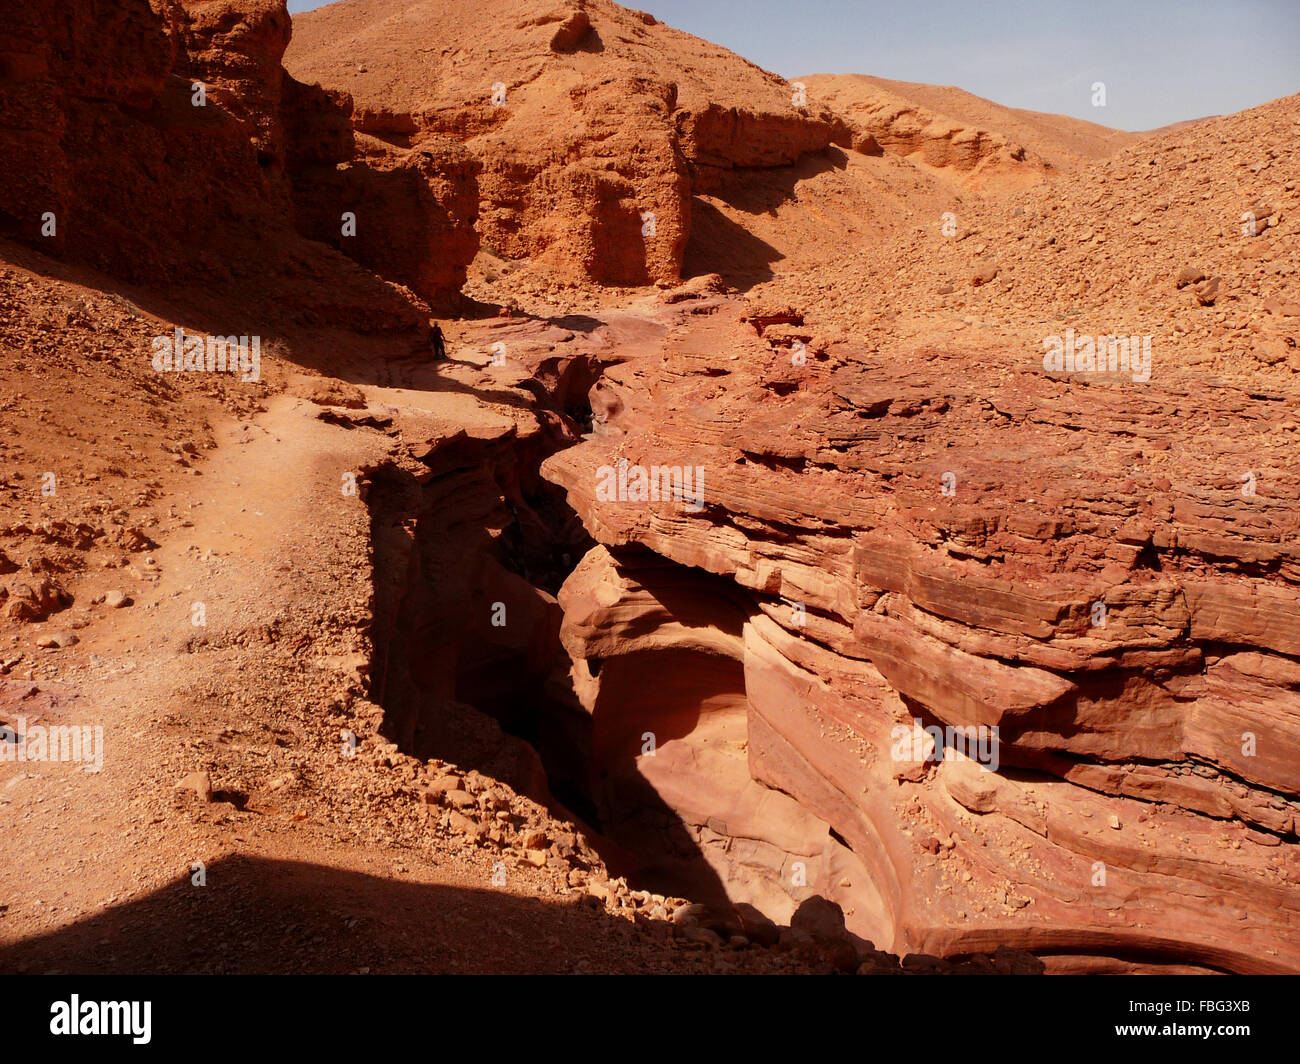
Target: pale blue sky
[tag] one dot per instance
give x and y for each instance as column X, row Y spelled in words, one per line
column 1162, row 61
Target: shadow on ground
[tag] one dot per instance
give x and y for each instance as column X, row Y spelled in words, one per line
column 281, row 917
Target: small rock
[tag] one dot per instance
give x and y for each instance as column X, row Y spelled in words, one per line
column 441, row 784
column 821, row 918
column 57, row 639
column 1207, row 292
column 702, row 935
column 116, row 600
column 463, row 825
column 1010, row 961
column 460, row 800
column 690, row 915
column 198, row 782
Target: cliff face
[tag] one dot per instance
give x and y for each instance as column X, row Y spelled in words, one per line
column 107, row 160
column 897, row 535
column 594, row 125
column 164, row 143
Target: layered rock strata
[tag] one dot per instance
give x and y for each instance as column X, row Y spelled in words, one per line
column 951, row 538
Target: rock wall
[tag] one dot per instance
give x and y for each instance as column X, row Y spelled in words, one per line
column 99, row 132
column 114, row 156
column 1143, row 810
column 407, row 215
column 594, row 125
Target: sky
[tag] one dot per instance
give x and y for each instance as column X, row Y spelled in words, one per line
column 1161, row 61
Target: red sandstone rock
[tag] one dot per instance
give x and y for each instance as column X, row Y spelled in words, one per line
column 97, row 104
column 588, row 174
column 971, row 607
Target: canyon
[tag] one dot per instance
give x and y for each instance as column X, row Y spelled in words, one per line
column 449, row 648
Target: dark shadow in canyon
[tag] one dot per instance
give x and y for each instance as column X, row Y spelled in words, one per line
column 762, row 191
column 333, row 342
column 560, row 383
column 468, row 663
column 717, row 244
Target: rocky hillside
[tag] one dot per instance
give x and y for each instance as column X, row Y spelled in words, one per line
column 907, row 115
column 587, row 118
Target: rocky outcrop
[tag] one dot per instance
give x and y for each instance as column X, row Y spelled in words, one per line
column 406, row 214
column 594, row 125
column 92, row 106
column 877, row 542
column 165, row 144
column 879, row 120
column 233, row 48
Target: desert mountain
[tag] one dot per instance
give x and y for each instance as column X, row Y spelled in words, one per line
column 594, row 124
column 944, row 112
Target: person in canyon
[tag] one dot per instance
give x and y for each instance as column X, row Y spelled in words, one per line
column 438, row 343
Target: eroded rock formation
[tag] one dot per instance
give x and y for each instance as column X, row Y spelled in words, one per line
column 165, row 144
column 920, row 535
column 880, row 120
column 594, row 125
column 833, row 514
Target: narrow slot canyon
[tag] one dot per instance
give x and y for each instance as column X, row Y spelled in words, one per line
column 609, row 686
column 714, row 695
